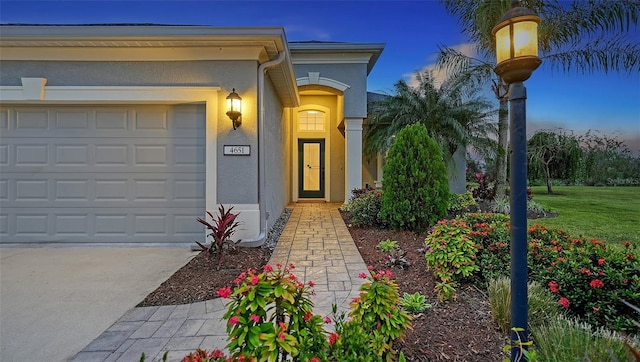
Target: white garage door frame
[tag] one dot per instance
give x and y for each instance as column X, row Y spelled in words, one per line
column 35, row 92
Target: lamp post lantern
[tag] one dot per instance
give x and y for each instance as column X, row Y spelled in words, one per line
column 516, row 36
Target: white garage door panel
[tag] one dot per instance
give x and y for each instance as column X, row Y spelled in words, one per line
column 102, row 174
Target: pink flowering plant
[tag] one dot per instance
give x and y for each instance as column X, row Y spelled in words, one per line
column 376, row 321
column 270, row 317
column 591, row 279
column 491, row 234
column 450, row 254
column 202, row 355
column 594, row 281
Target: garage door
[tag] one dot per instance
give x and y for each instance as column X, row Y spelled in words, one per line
column 102, row 174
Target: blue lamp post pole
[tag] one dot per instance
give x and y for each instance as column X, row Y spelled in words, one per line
column 517, row 57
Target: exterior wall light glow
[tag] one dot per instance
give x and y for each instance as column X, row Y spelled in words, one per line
column 517, row 44
column 234, row 108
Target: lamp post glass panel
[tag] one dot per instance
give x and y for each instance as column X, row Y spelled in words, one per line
column 517, row 57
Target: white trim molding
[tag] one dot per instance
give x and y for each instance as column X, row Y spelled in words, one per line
column 102, row 94
column 314, row 78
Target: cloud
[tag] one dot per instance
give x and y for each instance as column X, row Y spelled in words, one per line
column 439, row 75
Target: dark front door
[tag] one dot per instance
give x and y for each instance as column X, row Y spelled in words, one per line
column 311, row 168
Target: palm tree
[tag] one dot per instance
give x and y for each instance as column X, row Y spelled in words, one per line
column 582, row 36
column 455, row 116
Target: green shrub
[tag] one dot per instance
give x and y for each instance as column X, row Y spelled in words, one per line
column 461, row 202
column 365, row 209
column 536, row 207
column 377, row 312
column 501, row 206
column 414, row 303
column 563, row 339
column 450, row 254
column 388, row 245
column 542, row 304
column 415, row 186
column 269, row 318
column 490, row 234
column 590, row 279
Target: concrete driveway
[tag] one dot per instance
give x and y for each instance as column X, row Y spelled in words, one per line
column 55, row 301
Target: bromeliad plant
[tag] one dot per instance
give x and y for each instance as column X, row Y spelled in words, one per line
column 223, row 227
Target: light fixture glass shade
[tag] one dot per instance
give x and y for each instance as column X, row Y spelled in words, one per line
column 525, row 39
column 503, row 44
column 234, row 102
column 516, row 37
column 234, row 108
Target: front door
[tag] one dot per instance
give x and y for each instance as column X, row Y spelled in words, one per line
column 311, row 168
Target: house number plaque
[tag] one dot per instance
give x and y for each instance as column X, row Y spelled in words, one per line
column 237, row 150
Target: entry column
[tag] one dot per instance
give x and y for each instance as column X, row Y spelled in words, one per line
column 353, row 155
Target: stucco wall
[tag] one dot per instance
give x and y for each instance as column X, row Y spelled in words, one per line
column 277, row 154
column 354, row 75
column 69, row 73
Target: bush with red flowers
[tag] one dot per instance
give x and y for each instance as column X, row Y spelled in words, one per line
column 592, row 280
column 270, row 317
column 596, row 282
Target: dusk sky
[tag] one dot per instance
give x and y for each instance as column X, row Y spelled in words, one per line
column 411, row 30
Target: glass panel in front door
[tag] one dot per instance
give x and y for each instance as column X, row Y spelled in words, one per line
column 311, row 164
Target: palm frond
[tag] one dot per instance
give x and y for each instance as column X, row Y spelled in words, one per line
column 607, row 55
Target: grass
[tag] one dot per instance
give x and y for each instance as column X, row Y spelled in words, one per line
column 611, row 214
column 564, row 339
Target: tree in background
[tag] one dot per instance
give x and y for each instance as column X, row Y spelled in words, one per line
column 555, row 155
column 582, row 36
column 452, row 112
column 607, row 161
column 415, row 190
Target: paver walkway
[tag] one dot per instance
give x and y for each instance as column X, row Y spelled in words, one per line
column 315, row 240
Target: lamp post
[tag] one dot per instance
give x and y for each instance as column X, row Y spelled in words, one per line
column 516, row 37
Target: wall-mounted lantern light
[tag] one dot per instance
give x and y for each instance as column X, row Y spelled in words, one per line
column 517, row 44
column 234, row 108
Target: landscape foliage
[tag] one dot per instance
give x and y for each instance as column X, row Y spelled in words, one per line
column 270, row 318
column 223, row 227
column 415, row 190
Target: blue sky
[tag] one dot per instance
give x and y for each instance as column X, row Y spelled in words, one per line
column 411, row 30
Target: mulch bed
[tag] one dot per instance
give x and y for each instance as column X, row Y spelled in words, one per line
column 200, row 279
column 460, row 330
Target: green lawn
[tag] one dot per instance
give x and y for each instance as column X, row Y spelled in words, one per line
column 611, row 214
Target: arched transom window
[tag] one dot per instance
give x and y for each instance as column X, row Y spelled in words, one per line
column 311, row 120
